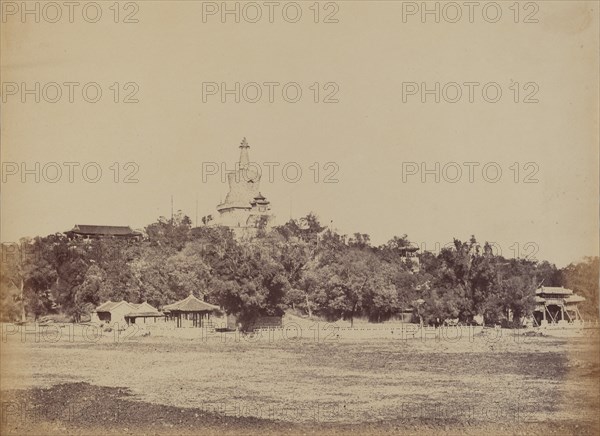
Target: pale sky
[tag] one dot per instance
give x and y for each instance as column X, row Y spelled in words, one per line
column 371, row 134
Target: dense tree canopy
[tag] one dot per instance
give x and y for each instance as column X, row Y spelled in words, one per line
column 300, row 265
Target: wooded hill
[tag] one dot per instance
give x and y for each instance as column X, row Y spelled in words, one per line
column 300, row 265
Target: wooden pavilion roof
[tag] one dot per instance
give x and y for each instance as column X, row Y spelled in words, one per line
column 191, row 304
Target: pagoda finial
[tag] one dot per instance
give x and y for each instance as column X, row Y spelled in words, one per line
column 244, row 158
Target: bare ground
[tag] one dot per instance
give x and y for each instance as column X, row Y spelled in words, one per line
column 146, row 385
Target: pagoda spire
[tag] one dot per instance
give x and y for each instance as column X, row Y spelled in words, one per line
column 244, row 157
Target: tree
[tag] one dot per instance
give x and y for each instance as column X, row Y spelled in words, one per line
column 444, row 303
column 26, row 266
column 251, row 285
column 518, row 298
column 343, row 285
column 86, row 296
column 396, row 250
column 187, row 272
column 582, row 277
column 170, row 233
column 381, row 302
column 10, row 307
column 71, row 275
column 306, row 228
column 151, row 274
column 360, row 240
column 405, row 284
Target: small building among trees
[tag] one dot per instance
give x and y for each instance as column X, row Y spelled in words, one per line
column 125, row 313
column 144, row 313
column 112, row 312
column 84, row 231
column 555, row 304
column 192, row 312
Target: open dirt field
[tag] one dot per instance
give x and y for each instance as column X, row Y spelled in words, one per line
column 149, row 385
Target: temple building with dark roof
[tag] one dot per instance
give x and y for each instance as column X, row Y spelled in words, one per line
column 85, row 231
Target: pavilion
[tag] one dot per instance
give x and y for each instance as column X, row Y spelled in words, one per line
column 555, row 304
column 191, row 312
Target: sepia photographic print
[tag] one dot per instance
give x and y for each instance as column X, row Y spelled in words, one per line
column 299, row 217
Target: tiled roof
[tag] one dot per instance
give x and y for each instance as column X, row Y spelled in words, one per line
column 574, row 299
column 106, row 307
column 143, row 309
column 191, row 304
column 556, row 295
column 260, row 199
column 140, row 314
column 86, row 229
column 147, row 307
column 135, row 307
column 553, row 290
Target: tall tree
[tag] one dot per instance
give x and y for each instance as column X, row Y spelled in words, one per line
column 251, row 285
column 582, row 277
column 170, row 233
column 28, row 268
column 344, row 284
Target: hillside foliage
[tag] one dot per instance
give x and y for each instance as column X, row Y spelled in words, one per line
column 300, row 265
